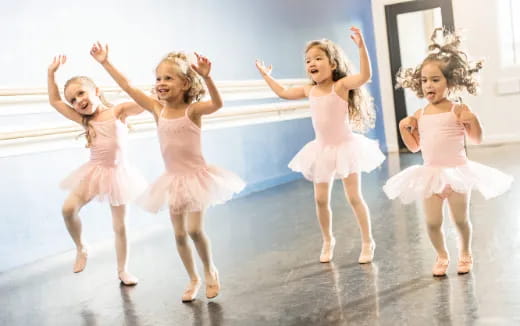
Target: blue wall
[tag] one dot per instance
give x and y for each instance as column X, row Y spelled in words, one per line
column 233, row 33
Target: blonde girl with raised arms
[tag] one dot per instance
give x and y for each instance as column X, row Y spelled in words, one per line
column 189, row 185
column 107, row 176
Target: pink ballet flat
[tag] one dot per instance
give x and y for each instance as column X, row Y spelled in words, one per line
column 191, row 291
column 327, row 251
column 367, row 253
column 465, row 264
column 212, row 289
column 440, row 267
column 81, row 261
column 127, row 279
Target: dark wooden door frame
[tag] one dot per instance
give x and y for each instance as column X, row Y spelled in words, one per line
column 391, row 12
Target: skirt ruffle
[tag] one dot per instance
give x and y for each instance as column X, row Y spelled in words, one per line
column 119, row 185
column 320, row 163
column 192, row 192
column 419, row 182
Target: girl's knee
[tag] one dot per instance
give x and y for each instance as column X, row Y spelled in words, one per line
column 68, row 211
column 321, row 202
column 119, row 228
column 195, row 234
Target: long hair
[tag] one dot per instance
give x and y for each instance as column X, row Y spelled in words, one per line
column 182, row 65
column 360, row 104
column 444, row 49
column 85, row 119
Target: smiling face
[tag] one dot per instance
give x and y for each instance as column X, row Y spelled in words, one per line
column 318, row 65
column 169, row 83
column 83, row 98
column 433, row 82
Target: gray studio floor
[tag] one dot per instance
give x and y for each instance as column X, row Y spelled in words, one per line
column 266, row 247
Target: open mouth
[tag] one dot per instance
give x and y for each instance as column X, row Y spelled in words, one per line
column 430, row 94
column 162, row 91
column 84, row 106
column 313, row 71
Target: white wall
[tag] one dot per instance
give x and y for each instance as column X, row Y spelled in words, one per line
column 478, row 20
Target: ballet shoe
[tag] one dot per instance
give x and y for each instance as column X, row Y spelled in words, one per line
column 367, row 253
column 327, row 251
column 440, row 267
column 191, row 291
column 465, row 264
column 127, row 279
column 81, row 261
column 212, row 289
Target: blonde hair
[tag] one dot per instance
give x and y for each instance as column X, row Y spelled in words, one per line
column 182, row 65
column 85, row 119
column 460, row 73
column 360, row 104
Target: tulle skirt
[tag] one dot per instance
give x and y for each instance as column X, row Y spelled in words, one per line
column 419, row 181
column 119, row 185
column 194, row 192
column 320, row 163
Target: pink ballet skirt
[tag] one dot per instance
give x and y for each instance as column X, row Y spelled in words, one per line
column 188, row 184
column 107, row 176
column 445, row 165
column 337, row 151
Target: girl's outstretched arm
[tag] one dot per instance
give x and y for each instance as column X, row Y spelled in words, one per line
column 410, row 133
column 126, row 109
column 203, row 68
column 54, row 94
column 365, row 70
column 471, row 123
column 100, row 54
column 293, row 93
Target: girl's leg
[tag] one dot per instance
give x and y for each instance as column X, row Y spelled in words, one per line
column 322, row 199
column 352, row 187
column 459, row 208
column 434, row 218
column 122, row 250
column 184, row 250
column 70, row 210
column 202, row 243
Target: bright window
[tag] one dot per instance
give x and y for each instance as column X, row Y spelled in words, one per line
column 509, row 27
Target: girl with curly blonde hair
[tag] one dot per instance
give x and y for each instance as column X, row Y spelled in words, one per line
column 189, row 185
column 439, row 131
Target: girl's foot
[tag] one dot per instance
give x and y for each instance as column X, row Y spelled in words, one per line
column 327, row 251
column 440, row 267
column 367, row 253
column 127, row 279
column 191, row 291
column 81, row 260
column 212, row 285
column 465, row 264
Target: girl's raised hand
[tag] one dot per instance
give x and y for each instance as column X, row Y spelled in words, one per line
column 262, row 68
column 57, row 62
column 357, row 37
column 203, row 66
column 99, row 52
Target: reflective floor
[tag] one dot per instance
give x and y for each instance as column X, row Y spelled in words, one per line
column 266, row 247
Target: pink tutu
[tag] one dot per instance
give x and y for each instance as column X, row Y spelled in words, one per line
column 419, row 181
column 206, row 187
column 118, row 184
column 320, row 163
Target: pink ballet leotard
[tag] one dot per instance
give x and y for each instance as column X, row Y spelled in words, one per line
column 446, row 165
column 107, row 175
column 337, row 151
column 188, row 184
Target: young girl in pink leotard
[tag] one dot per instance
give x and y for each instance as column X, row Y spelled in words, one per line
column 108, row 175
column 189, row 185
column 336, row 100
column 438, row 131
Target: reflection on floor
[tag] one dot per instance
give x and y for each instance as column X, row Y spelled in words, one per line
column 266, row 247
